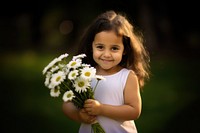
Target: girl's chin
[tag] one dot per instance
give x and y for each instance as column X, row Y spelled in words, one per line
column 104, row 67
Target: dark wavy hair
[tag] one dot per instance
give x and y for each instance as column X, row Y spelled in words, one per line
column 135, row 57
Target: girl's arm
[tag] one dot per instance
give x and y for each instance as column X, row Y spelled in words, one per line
column 77, row 115
column 132, row 103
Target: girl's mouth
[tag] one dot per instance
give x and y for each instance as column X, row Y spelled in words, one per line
column 105, row 60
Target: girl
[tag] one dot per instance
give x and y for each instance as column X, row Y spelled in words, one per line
column 117, row 53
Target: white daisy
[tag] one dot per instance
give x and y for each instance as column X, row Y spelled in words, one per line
column 53, row 69
column 47, row 80
column 99, row 77
column 88, row 72
column 53, row 62
column 65, row 69
column 78, row 56
column 61, row 65
column 81, row 85
column 74, row 64
column 85, row 65
column 68, row 96
column 56, row 79
column 55, row 92
column 62, row 56
column 73, row 74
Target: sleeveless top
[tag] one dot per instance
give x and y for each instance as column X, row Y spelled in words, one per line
column 110, row 91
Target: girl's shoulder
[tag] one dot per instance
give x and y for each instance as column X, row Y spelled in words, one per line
column 125, row 70
column 132, row 76
column 129, row 73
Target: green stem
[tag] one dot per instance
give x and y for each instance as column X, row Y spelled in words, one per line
column 77, row 103
column 96, row 86
column 66, row 86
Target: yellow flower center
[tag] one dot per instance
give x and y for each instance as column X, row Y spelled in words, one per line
column 87, row 74
column 58, row 78
column 69, row 95
column 73, row 74
column 73, row 64
column 81, row 84
column 55, row 90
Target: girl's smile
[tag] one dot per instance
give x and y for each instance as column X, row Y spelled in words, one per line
column 106, row 60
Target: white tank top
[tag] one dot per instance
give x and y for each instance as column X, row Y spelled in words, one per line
column 110, row 91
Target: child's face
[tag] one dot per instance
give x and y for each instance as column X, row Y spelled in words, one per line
column 107, row 50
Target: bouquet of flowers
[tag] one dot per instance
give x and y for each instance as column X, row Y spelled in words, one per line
column 72, row 80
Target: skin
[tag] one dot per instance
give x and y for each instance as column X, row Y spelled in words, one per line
column 108, row 50
column 77, row 115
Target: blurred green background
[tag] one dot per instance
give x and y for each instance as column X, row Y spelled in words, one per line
column 32, row 33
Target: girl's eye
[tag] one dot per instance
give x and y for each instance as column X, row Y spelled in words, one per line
column 99, row 47
column 115, row 48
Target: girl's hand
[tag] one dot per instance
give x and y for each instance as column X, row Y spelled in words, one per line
column 85, row 117
column 93, row 107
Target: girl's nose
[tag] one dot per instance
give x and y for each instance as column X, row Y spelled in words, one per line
column 107, row 53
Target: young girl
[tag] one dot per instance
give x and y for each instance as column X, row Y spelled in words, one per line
column 117, row 53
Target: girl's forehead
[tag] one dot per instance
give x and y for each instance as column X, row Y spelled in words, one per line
column 107, row 36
